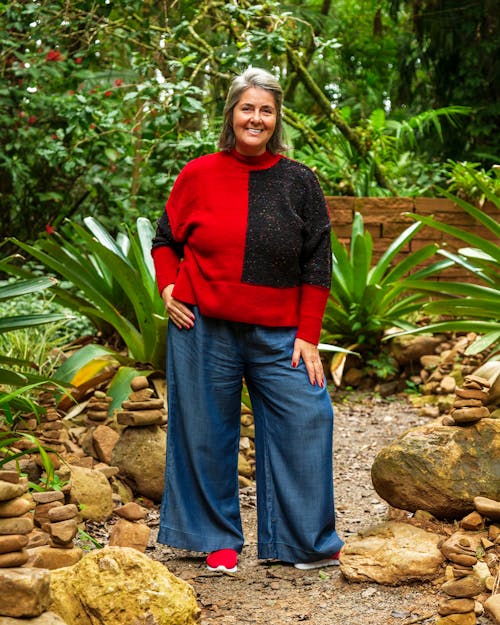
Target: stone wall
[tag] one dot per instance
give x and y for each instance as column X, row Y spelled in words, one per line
column 385, row 219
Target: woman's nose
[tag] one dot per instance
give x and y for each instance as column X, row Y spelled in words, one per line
column 256, row 116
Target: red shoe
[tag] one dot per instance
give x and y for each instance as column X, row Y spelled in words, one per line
column 224, row 560
column 319, row 564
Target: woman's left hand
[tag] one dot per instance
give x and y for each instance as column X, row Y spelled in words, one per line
column 309, row 353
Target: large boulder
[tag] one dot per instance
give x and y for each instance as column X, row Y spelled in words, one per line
column 140, row 455
column 440, row 468
column 118, row 585
column 391, row 553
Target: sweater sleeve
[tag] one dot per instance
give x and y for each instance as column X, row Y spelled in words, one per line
column 316, row 263
column 168, row 243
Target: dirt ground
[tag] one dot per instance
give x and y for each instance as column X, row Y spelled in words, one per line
column 277, row 594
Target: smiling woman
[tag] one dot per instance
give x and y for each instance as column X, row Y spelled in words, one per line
column 243, row 264
column 254, row 121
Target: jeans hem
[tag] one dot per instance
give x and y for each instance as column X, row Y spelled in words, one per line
column 292, row 554
column 193, row 542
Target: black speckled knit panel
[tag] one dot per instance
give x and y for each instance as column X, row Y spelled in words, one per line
column 164, row 236
column 288, row 239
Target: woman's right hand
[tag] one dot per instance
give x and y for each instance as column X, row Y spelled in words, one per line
column 178, row 312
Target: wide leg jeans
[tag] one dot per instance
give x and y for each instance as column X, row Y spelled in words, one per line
column 200, row 508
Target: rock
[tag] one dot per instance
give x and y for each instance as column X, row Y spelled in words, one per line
column 140, row 455
column 244, row 467
column 456, row 606
column 457, row 619
column 139, row 418
column 466, row 393
column 16, row 525
column 11, row 476
column 42, row 511
column 488, row 507
column 132, row 511
column 63, row 513
column 47, row 618
column 448, row 384
column 117, row 585
column 37, row 538
column 91, row 492
column 8, row 490
column 63, row 531
column 53, row 558
column 473, row 521
column 492, row 605
column 391, row 553
column 139, row 382
column 407, row 349
column 129, row 534
column 468, row 586
column 104, row 439
column 16, row 507
column 48, row 496
column 439, row 468
column 24, row 592
column 13, row 542
column 14, row 558
column 469, row 415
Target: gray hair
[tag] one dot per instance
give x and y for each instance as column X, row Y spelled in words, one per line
column 261, row 79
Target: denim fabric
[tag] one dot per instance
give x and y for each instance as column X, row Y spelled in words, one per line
column 293, row 428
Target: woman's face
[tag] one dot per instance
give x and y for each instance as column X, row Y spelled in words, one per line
column 254, row 121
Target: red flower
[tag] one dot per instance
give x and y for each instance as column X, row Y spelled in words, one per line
column 78, row 60
column 49, row 229
column 108, row 93
column 54, row 55
column 71, row 92
column 118, row 82
column 31, row 119
column 53, row 136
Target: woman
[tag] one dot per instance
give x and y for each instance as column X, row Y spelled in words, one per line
column 243, row 262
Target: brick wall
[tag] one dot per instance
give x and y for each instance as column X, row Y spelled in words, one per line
column 384, row 218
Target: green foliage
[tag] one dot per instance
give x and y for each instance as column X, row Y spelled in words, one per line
column 88, row 124
column 367, row 299
column 399, row 145
column 103, row 103
column 468, row 307
column 450, row 53
column 11, row 325
column 464, row 177
column 13, row 405
column 111, row 281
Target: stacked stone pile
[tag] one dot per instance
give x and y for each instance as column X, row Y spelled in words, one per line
column 469, row 405
column 141, row 408
column 130, row 530
column 473, row 555
column 98, row 409
column 16, row 519
column 52, row 545
column 52, row 433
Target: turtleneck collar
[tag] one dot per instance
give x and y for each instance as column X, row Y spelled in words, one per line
column 262, row 161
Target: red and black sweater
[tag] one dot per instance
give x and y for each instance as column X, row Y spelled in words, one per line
column 247, row 239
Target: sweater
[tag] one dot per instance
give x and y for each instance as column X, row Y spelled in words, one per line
column 247, row 239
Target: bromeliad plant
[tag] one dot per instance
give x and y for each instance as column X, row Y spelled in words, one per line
column 468, row 307
column 110, row 280
column 365, row 300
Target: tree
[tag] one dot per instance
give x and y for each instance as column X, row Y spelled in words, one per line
column 452, row 56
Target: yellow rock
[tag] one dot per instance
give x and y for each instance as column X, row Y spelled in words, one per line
column 118, row 585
